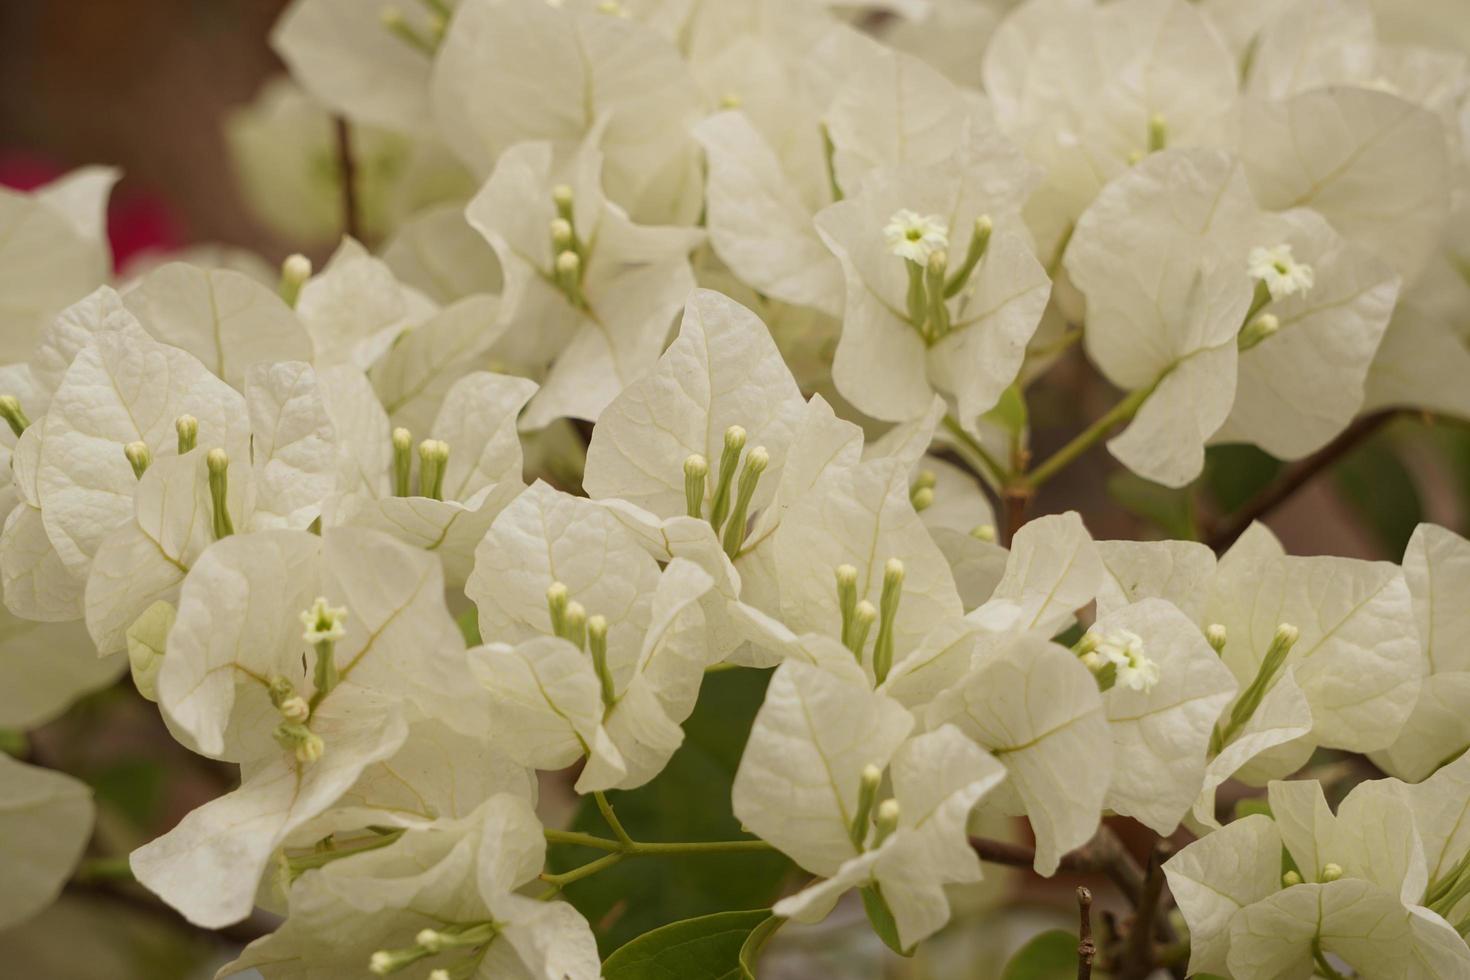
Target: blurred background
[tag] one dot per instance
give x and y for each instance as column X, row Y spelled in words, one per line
column 155, row 88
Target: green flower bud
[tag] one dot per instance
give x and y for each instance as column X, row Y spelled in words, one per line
column 139, row 456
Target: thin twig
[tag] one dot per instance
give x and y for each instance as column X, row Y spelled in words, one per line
column 1295, row 477
column 347, row 170
column 1138, row 954
column 1104, row 854
column 1086, row 948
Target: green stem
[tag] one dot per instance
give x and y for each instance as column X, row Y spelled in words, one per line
column 1091, row 436
column 582, row 840
column 104, row 869
column 997, row 472
column 585, row 871
column 606, row 809
column 700, row 847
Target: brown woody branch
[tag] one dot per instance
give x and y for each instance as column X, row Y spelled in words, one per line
column 1296, row 476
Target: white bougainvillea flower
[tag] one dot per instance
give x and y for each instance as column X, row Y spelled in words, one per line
column 1086, row 109
column 902, row 850
column 239, row 681
column 1436, row 564
column 1052, row 570
column 822, row 721
column 572, row 66
column 1373, row 164
column 468, row 467
column 957, row 325
column 669, row 452
column 1164, row 313
column 1282, row 274
column 1037, row 709
column 45, row 823
column 1324, row 651
column 224, row 318
column 600, row 653
column 123, row 389
column 856, row 540
column 937, row 778
column 1356, row 657
column 178, row 501
column 1161, row 730
column 1341, row 304
column 916, row 236
column 589, row 295
column 444, row 895
column 1344, row 888
column 54, row 253
column 621, row 707
column 1176, row 315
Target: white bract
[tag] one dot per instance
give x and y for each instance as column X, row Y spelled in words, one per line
column 672, row 340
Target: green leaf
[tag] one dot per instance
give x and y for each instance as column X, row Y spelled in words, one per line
column 1381, row 491
column 1010, row 411
column 1169, row 510
column 707, row 948
column 1236, row 473
column 1250, row 806
column 689, row 801
column 881, row 916
column 755, row 942
column 1051, row 955
column 134, row 786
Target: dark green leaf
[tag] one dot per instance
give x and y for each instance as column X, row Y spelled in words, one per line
column 1236, row 473
column 1049, row 956
column 134, row 787
column 755, row 942
column 881, row 916
column 689, row 801
column 1169, row 510
column 1251, row 805
column 1380, row 489
column 1010, row 411
column 706, row 948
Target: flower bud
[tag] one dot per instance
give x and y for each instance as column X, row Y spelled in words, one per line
column 696, row 473
column 187, row 428
column 1215, row 636
column 14, row 416
column 139, row 456
column 295, row 270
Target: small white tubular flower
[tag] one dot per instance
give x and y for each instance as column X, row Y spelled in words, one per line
column 915, row 236
column 1124, row 650
column 323, row 622
column 1283, row 275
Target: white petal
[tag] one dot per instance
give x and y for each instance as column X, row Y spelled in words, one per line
column 45, row 822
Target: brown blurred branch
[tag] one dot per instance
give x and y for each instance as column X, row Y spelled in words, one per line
column 347, row 168
column 1086, row 948
column 1225, row 530
column 1138, row 959
column 1104, row 854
